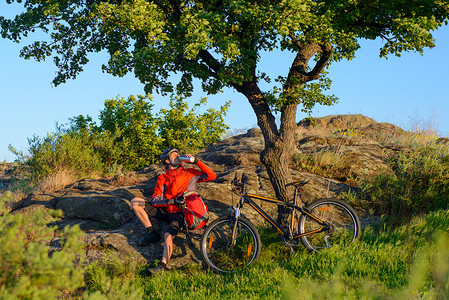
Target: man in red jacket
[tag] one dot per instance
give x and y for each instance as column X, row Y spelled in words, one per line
column 169, row 192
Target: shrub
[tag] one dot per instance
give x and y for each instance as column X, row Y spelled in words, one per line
column 417, row 183
column 61, row 150
column 135, row 129
column 128, row 136
column 30, row 267
column 188, row 131
column 115, row 278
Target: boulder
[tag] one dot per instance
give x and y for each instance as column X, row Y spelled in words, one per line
column 110, row 210
column 340, row 122
column 102, row 207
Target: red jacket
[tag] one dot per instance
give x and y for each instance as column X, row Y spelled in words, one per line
column 176, row 182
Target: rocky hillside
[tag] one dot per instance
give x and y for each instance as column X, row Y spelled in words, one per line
column 102, row 207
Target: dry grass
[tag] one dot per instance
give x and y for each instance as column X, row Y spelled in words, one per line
column 21, row 188
column 427, row 126
column 126, row 179
column 18, row 190
column 420, row 131
column 326, row 162
column 56, row 181
column 328, row 158
column 314, row 130
column 408, row 139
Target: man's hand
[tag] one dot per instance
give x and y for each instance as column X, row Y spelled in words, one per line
column 179, row 200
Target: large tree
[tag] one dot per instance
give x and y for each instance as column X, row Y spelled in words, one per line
column 220, row 42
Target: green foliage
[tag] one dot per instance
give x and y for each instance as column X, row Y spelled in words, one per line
column 61, row 150
column 309, row 93
column 128, row 137
column 407, row 262
column 30, row 267
column 140, row 137
column 419, row 182
column 219, row 42
column 188, row 131
column 113, row 278
column 131, row 120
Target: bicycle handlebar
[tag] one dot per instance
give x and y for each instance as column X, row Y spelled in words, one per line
column 241, row 182
column 244, row 180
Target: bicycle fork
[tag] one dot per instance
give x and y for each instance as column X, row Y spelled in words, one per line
column 235, row 226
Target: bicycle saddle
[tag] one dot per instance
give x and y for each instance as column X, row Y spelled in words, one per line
column 298, row 183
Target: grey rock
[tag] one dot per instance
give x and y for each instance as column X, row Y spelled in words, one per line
column 107, row 209
column 102, row 207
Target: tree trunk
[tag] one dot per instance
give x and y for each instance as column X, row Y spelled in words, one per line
column 278, row 154
column 280, row 143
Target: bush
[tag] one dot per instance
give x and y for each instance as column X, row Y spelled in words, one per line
column 61, row 150
column 30, row 267
column 115, row 278
column 135, row 129
column 186, row 130
column 128, row 136
column 418, row 182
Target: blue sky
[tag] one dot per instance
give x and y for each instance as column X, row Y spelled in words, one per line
column 405, row 91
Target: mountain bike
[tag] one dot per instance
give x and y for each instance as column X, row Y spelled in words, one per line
column 232, row 243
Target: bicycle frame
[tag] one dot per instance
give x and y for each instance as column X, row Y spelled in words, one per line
column 233, row 242
column 247, row 198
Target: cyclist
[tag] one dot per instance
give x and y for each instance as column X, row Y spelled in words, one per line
column 171, row 187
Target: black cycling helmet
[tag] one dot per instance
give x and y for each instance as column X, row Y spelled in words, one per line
column 166, row 153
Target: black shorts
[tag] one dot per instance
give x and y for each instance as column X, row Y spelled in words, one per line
column 175, row 220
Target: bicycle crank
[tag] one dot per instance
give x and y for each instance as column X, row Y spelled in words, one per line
column 290, row 243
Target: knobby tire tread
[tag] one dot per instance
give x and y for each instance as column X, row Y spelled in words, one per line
column 219, row 221
column 347, row 208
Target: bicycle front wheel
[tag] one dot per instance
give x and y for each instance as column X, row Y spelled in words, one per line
column 217, row 248
column 343, row 224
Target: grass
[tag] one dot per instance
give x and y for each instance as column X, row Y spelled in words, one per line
column 121, row 177
column 408, row 262
column 20, row 188
column 416, row 182
column 326, row 162
column 56, row 181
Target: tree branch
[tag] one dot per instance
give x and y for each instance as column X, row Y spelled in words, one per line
column 326, row 52
column 211, row 62
column 294, row 40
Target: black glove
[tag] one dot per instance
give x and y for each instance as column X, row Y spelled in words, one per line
column 179, row 199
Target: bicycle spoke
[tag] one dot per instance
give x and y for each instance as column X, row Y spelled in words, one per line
column 220, row 254
column 342, row 221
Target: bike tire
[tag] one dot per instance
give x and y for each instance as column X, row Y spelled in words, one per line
column 343, row 220
column 216, row 247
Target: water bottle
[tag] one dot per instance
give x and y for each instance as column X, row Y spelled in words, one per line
column 190, row 159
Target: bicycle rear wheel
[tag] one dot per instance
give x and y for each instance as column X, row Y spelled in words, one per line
column 344, row 225
column 217, row 249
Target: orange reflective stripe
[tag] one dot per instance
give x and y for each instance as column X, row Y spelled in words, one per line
column 266, row 198
column 325, row 208
column 266, row 218
column 307, row 233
